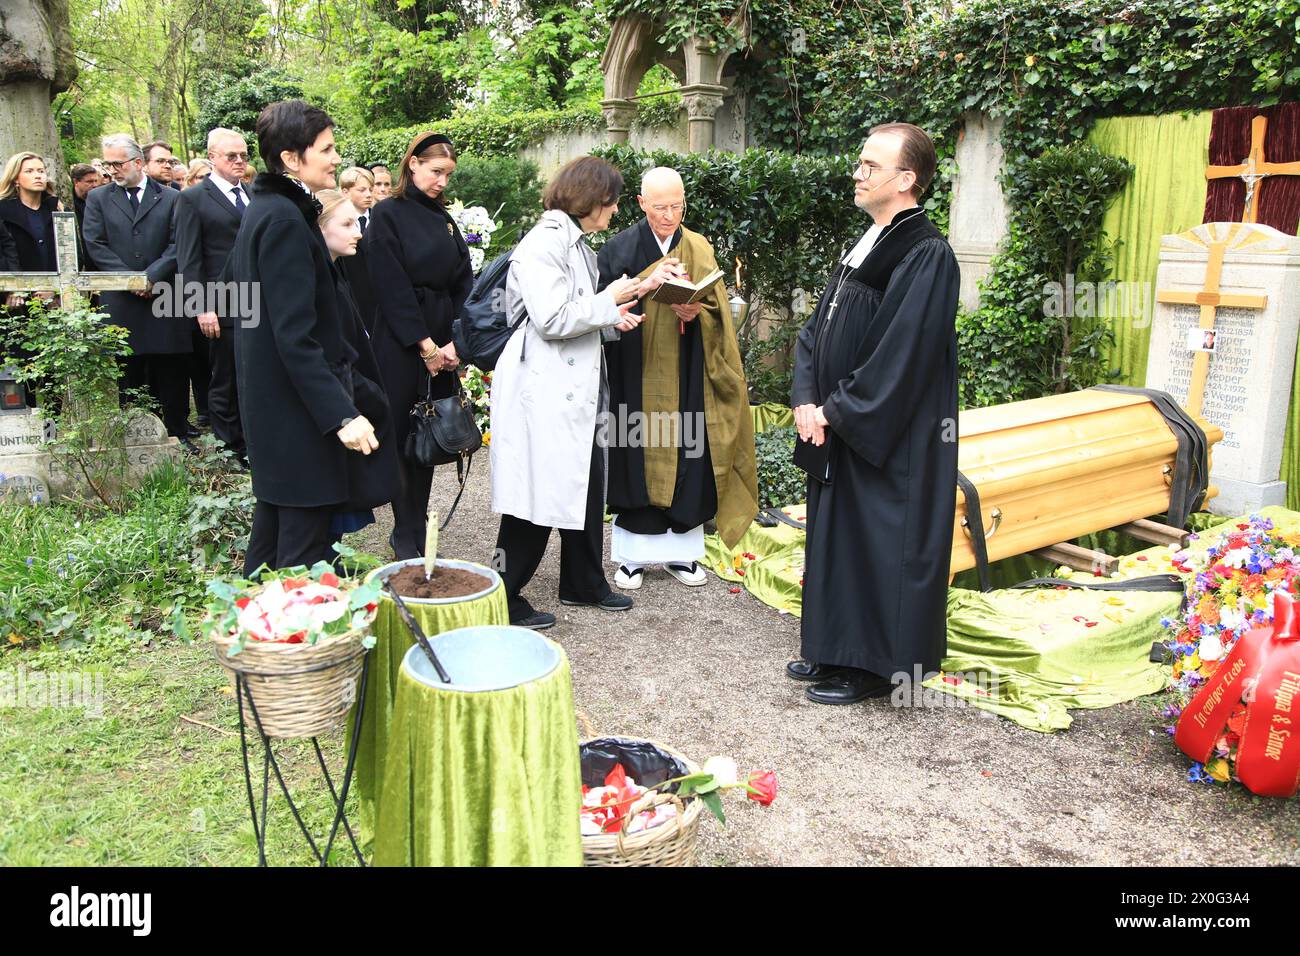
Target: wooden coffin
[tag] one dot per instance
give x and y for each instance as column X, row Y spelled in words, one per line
column 1051, row 469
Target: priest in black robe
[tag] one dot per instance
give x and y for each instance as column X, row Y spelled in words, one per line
column 875, row 402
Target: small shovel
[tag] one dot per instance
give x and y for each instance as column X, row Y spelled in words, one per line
column 420, row 639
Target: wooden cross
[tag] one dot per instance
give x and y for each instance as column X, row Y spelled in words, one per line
column 1209, row 299
column 69, row 281
column 1254, row 169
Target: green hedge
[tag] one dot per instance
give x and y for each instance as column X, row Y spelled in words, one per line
column 488, row 133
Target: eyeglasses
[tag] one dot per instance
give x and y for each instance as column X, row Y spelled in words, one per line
column 119, row 163
column 676, row 209
column 235, row 157
column 866, row 169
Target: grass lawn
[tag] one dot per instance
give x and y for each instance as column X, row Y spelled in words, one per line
column 142, row 786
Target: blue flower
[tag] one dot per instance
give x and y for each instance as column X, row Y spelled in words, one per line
column 30, row 562
column 1197, row 774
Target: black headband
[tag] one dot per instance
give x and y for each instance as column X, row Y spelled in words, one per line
column 433, row 139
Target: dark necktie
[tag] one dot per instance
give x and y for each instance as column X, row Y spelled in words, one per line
column 134, row 193
column 239, row 198
column 362, row 223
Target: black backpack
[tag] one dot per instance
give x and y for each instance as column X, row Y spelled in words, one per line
column 484, row 327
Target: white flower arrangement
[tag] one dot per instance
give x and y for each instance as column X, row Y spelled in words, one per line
column 477, row 226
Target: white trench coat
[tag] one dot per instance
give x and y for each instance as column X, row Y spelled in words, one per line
column 545, row 407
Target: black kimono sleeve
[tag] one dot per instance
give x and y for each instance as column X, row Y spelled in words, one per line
column 872, row 408
column 804, row 388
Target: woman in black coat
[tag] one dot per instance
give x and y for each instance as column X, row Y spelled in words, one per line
column 27, row 224
column 373, row 479
column 26, row 212
column 293, row 363
column 420, row 268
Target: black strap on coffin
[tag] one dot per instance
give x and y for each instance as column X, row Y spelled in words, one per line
column 1191, row 475
column 975, row 525
column 778, row 515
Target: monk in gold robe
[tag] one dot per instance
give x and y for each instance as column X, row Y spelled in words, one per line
column 680, row 434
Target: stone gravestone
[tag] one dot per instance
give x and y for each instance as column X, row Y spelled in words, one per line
column 1240, row 281
column 31, row 474
column 28, row 471
column 978, row 218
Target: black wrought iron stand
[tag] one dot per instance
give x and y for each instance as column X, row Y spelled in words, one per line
column 269, row 763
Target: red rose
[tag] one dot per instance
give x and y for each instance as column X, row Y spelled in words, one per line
column 291, row 584
column 243, row 602
column 297, row 637
column 329, row 579
column 765, row 784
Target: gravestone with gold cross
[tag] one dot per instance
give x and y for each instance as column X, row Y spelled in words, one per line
column 28, row 472
column 1240, row 282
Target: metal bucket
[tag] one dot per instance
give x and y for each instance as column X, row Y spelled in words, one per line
column 487, row 658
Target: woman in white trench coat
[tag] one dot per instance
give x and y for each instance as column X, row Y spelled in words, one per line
column 549, row 392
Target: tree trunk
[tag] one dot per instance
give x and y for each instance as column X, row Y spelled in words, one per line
column 35, row 63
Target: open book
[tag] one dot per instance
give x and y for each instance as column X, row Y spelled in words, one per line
column 684, row 292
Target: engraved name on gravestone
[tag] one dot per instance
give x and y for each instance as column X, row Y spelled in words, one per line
column 1242, row 283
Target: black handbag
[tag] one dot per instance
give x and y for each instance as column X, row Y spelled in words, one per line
column 442, row 430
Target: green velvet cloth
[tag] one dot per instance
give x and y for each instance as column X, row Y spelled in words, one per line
column 482, row 779
column 1017, row 653
column 771, row 415
column 392, row 640
column 1166, row 196
column 1031, row 656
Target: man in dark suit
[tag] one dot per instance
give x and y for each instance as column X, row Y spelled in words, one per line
column 129, row 228
column 207, row 219
column 84, row 178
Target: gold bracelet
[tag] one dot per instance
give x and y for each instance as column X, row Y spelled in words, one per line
column 425, row 356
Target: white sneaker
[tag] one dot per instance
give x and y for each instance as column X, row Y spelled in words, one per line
column 692, row 576
column 628, row 580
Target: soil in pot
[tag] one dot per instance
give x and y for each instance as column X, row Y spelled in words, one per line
column 410, row 582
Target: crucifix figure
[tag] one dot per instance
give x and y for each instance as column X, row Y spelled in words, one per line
column 69, row 281
column 1254, row 169
column 1209, row 299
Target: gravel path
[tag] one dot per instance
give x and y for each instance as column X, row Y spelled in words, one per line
column 702, row 670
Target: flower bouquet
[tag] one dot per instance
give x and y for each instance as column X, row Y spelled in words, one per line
column 477, row 227
column 295, row 639
column 478, row 386
column 1231, row 597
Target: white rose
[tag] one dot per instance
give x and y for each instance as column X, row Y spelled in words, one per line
column 724, row 769
column 1211, row 648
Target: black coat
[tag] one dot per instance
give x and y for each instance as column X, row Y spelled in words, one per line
column 292, row 362
column 420, row 268
column 8, row 252
column 206, row 225
column 373, row 479
column 34, row 253
column 879, row 354
column 356, row 269
column 117, row 241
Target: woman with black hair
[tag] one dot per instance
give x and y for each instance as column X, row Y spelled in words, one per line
column 420, row 269
column 293, row 364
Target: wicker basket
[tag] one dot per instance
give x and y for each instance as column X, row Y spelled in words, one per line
column 300, row 690
column 668, row 844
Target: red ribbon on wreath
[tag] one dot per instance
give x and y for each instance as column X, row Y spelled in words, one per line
column 1268, row 757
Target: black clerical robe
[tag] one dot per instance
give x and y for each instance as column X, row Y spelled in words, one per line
column 879, row 354
column 695, row 498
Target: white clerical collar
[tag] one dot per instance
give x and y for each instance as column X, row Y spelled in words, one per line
column 859, row 252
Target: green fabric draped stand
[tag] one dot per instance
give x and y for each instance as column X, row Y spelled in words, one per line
column 482, row 779
column 392, row 640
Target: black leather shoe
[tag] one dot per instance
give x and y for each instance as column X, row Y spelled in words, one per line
column 810, row 670
column 612, row 601
column 191, row 431
column 537, row 621
column 849, row 687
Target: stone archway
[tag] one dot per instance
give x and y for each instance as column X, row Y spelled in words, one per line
column 633, row 49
